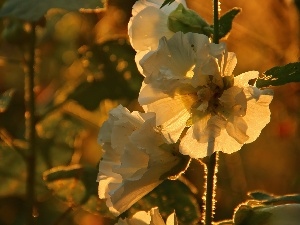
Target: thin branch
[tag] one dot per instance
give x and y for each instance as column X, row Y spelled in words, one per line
column 30, row 127
column 8, row 140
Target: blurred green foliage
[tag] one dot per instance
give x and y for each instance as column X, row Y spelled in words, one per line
column 78, row 80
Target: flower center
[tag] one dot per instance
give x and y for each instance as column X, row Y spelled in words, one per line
column 208, row 98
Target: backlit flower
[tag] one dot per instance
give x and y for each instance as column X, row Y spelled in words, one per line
column 189, row 82
column 148, row 24
column 152, row 217
column 135, row 158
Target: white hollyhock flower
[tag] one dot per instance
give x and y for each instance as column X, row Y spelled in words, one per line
column 152, row 217
column 148, row 24
column 135, row 158
column 189, row 82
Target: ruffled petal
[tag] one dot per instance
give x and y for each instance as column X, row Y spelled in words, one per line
column 176, row 55
column 123, row 180
column 172, row 112
column 132, row 191
column 243, row 79
column 233, row 96
column 149, row 94
column 237, row 129
column 138, row 56
column 191, row 147
column 228, row 64
column 156, row 218
column 216, row 139
column 258, row 112
column 148, row 24
column 226, row 143
column 147, row 28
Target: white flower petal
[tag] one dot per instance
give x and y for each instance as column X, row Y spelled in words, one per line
column 214, row 138
column 190, row 146
column 149, row 94
column 243, row 79
column 139, row 218
column 123, row 180
column 176, row 54
column 228, row 64
column 171, row 117
column 156, row 218
column 258, row 112
column 200, row 127
column 233, row 96
column 148, row 26
column 237, row 129
column 151, row 217
column 124, row 197
column 132, row 191
column 227, row 144
column 172, row 220
column 138, row 56
column 131, row 168
column 217, row 50
column 149, row 23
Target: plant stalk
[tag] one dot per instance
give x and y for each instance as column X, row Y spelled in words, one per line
column 216, row 21
column 212, row 163
column 210, row 193
column 30, row 134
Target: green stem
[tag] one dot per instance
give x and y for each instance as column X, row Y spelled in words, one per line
column 211, row 165
column 216, row 21
column 30, row 128
column 211, row 171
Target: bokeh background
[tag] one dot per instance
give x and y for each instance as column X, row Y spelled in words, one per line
column 85, row 66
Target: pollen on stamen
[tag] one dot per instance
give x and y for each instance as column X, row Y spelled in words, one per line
column 190, row 73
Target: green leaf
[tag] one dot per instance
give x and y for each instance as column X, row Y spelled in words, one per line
column 58, row 134
column 225, row 22
column 260, row 196
column 33, row 10
column 49, row 153
column 280, row 75
column 5, row 99
column 285, row 199
column 169, row 196
column 169, row 2
column 246, row 215
column 186, row 20
column 12, row 172
column 76, row 185
column 266, row 199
